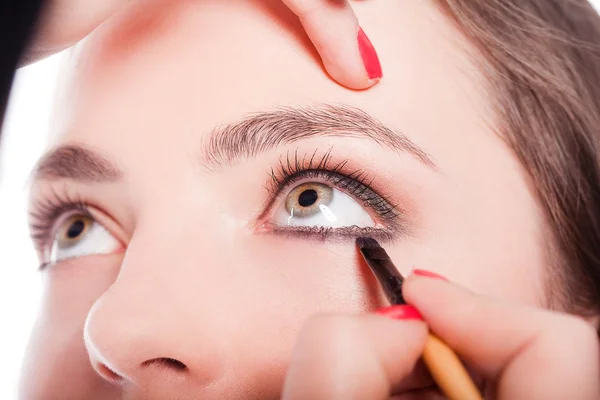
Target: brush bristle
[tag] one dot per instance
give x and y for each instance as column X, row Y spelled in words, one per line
column 367, row 242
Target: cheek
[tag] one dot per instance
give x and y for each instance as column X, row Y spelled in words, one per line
column 56, row 364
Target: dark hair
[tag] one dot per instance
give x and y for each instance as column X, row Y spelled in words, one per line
column 542, row 61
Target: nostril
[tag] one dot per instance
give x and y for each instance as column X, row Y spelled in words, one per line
column 166, row 362
column 108, row 373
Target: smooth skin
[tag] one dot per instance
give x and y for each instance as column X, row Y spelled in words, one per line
column 332, row 27
column 486, row 239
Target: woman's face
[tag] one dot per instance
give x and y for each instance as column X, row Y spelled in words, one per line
column 203, row 196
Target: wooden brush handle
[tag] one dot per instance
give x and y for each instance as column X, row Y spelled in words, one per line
column 448, row 371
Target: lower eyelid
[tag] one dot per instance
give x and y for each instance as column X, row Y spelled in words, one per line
column 45, row 265
column 322, row 234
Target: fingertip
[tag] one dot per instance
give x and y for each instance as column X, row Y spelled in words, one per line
column 369, row 56
column 347, row 53
column 339, row 75
column 355, row 66
column 427, row 290
column 401, row 312
column 414, row 285
column 428, row 274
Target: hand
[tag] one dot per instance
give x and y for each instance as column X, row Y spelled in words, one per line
column 520, row 352
column 331, row 25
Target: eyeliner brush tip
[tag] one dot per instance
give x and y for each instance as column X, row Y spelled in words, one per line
column 383, row 268
column 367, row 242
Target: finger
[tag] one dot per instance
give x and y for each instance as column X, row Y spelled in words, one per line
column 65, row 22
column 347, row 53
column 528, row 352
column 359, row 357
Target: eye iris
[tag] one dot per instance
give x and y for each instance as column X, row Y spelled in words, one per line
column 308, row 197
column 73, row 230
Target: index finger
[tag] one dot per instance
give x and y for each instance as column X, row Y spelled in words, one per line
column 347, row 53
column 528, row 352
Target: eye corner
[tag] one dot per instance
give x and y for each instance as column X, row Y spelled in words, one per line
column 261, row 226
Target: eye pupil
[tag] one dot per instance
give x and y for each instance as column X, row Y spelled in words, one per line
column 76, row 229
column 308, row 197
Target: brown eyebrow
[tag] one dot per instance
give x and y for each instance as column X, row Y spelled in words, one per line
column 78, row 163
column 241, row 140
column 267, row 130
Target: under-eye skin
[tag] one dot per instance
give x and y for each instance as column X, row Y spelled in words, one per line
column 309, row 190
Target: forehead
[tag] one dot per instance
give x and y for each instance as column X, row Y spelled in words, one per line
column 179, row 70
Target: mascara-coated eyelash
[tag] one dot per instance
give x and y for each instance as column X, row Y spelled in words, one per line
column 45, row 214
column 354, row 182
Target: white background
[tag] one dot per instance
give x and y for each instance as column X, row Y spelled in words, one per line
column 23, row 140
column 24, row 137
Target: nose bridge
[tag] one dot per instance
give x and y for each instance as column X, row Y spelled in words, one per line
column 161, row 315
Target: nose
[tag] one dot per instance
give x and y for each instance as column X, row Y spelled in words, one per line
column 135, row 340
column 153, row 330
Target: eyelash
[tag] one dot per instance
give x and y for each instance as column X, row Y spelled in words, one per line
column 45, row 214
column 355, row 183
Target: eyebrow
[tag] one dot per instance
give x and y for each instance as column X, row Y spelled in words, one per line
column 264, row 131
column 244, row 139
column 77, row 163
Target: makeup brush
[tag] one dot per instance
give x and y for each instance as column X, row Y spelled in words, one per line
column 444, row 365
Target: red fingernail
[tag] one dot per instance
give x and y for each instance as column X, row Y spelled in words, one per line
column 400, row 312
column 428, row 274
column 369, row 56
